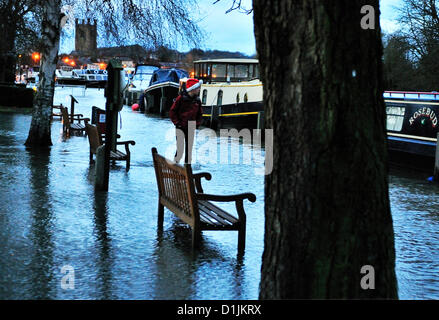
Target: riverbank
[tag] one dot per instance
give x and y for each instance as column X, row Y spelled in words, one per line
column 15, row 110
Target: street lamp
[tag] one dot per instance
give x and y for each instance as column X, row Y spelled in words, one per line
column 36, row 57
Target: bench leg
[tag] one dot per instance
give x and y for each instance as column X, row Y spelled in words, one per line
column 241, row 239
column 161, row 214
column 128, row 164
column 196, row 238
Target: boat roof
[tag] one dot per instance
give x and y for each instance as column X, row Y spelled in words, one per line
column 411, row 95
column 168, row 75
column 236, row 60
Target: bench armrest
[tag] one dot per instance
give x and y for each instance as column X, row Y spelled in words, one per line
column 220, row 198
column 126, row 144
column 238, row 198
column 197, row 179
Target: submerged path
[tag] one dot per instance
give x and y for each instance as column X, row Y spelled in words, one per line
column 50, row 218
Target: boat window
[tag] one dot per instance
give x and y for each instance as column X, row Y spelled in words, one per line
column 218, row 71
column 395, row 118
column 91, row 77
column 237, row 98
column 197, row 70
column 256, row 74
column 231, row 71
column 219, row 100
column 204, row 99
column 241, row 71
column 246, row 98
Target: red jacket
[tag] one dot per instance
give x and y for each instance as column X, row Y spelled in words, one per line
column 186, row 109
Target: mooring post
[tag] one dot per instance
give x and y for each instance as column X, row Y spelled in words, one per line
column 436, row 161
column 113, row 93
column 261, row 120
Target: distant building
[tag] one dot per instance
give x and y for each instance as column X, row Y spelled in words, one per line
column 86, row 35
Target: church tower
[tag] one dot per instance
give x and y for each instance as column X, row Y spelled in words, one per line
column 86, row 35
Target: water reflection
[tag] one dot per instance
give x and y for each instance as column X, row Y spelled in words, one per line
column 190, row 270
column 103, row 242
column 41, row 229
column 50, row 216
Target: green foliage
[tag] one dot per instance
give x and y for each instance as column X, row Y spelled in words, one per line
column 410, row 54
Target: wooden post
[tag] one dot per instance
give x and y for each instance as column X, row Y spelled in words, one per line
column 72, row 107
column 214, row 117
column 436, row 161
column 112, row 107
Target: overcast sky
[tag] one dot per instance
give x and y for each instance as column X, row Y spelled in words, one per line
column 234, row 31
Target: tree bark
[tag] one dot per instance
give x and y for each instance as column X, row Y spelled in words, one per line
column 39, row 132
column 327, row 207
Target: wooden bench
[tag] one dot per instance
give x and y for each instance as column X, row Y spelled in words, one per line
column 181, row 192
column 70, row 127
column 95, row 141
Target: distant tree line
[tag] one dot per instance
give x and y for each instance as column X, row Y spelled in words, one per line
column 411, row 53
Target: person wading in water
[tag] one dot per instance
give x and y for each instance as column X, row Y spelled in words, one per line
column 186, row 108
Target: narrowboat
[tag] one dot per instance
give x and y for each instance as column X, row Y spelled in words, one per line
column 412, row 122
column 231, row 93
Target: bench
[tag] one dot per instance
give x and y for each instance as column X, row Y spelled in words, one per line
column 181, row 192
column 70, row 127
column 95, row 141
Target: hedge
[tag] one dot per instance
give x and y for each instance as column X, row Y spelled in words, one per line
column 16, row 96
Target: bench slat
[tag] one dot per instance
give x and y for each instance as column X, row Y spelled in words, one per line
column 214, row 215
column 223, row 214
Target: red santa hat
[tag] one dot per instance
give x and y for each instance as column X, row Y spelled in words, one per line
column 192, row 84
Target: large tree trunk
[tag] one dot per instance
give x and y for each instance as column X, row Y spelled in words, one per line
column 327, row 206
column 39, row 133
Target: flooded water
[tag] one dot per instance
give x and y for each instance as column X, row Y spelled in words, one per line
column 51, row 218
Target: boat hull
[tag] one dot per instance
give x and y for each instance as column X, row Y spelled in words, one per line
column 159, row 98
column 412, row 126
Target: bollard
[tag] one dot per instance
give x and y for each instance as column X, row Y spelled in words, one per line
column 436, row 161
column 100, row 184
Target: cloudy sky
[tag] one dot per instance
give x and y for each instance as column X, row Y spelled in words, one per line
column 234, row 31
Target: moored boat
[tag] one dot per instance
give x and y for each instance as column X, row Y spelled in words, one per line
column 163, row 89
column 231, row 92
column 412, row 122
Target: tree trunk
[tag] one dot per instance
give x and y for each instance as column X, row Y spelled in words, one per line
column 327, row 207
column 39, row 133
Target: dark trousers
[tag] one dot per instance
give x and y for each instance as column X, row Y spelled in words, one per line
column 184, row 144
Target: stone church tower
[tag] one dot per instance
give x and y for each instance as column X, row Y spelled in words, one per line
column 86, row 35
